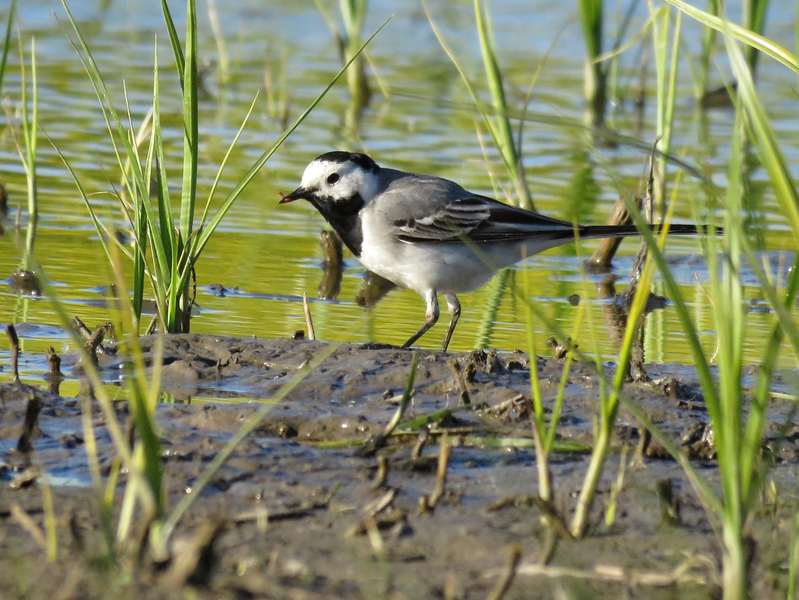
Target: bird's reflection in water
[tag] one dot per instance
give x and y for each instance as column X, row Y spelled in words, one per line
column 332, row 265
column 374, row 287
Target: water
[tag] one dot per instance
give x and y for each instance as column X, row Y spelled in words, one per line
column 271, row 253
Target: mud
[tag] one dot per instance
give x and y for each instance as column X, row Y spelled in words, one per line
column 293, row 513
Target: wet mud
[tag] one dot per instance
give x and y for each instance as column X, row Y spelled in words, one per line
column 308, row 507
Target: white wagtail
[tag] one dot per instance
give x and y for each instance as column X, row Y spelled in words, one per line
column 429, row 234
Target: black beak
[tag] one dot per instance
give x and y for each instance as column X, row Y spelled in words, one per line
column 299, row 194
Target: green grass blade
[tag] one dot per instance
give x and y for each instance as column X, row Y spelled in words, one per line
column 499, row 111
column 713, row 506
column 609, row 405
column 557, row 407
column 190, row 125
column 143, row 409
column 166, row 228
column 105, row 235
column 102, row 231
column 139, row 185
column 590, row 12
column 754, row 426
column 328, row 18
column 124, row 167
column 751, row 448
column 708, row 43
column 748, row 37
column 7, row 42
column 764, row 138
column 31, row 139
column 501, row 125
column 174, row 40
column 202, row 239
column 105, row 97
column 24, row 105
column 700, row 361
column 222, row 165
column 754, row 20
column 620, row 48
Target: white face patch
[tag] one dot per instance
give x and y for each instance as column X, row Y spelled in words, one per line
column 352, row 179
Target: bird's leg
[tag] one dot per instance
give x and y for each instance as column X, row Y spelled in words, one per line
column 454, row 314
column 432, row 318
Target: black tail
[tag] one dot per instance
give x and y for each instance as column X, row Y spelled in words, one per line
column 607, row 231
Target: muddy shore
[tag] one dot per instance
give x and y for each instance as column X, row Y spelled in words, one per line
column 293, row 512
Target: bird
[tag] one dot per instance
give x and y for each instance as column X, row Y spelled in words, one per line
column 429, row 234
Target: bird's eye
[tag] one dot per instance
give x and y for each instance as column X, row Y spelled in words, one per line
column 333, row 178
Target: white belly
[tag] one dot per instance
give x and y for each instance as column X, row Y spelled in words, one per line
column 446, row 268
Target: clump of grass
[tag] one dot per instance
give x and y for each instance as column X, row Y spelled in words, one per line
column 738, row 436
column 144, row 507
column 165, row 255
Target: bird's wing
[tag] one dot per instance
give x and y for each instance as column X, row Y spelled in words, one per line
column 448, row 223
column 423, row 209
column 426, row 209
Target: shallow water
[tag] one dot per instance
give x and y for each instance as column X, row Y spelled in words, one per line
column 271, row 253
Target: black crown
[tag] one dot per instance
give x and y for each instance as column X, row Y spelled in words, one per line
column 339, row 156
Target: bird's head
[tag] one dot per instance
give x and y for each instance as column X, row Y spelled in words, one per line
column 338, row 181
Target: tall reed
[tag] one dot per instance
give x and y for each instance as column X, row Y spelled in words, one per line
column 591, row 13
column 754, row 19
column 26, row 144
column 7, row 42
column 353, row 14
column 706, row 55
column 738, row 434
column 666, row 65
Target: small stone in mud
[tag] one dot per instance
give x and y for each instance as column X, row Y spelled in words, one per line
column 494, row 364
column 25, row 479
column 298, row 335
column 560, row 350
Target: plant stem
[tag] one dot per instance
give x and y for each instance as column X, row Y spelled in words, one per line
column 735, row 575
